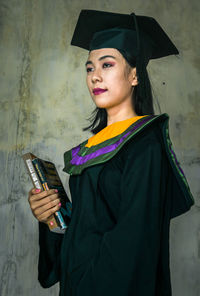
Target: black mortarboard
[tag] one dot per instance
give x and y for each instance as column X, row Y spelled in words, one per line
column 103, row 24
column 138, row 36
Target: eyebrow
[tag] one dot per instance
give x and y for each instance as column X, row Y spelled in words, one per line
column 101, row 58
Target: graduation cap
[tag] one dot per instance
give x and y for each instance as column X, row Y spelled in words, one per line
column 100, row 29
column 133, row 35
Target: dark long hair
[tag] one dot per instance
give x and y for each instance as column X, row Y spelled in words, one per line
column 142, row 102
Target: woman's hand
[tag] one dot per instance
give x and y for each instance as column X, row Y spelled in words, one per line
column 44, row 203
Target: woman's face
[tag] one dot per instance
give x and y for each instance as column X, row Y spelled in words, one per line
column 108, row 81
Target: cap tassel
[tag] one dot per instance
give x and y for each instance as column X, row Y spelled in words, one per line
column 143, row 87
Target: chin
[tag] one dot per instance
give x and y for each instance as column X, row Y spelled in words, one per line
column 102, row 105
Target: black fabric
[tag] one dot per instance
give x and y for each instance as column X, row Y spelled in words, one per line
column 117, row 242
column 91, row 22
column 49, row 256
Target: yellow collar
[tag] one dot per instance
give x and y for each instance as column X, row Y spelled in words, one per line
column 111, row 131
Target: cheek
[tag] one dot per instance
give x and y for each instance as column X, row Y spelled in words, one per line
column 115, row 74
column 88, row 82
column 119, row 82
column 90, row 87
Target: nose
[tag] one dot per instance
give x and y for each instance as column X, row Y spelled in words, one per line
column 96, row 76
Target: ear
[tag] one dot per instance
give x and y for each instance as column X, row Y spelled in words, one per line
column 134, row 80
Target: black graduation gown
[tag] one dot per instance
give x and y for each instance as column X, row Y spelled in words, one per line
column 117, row 242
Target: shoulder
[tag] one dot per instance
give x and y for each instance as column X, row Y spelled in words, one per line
column 137, row 137
column 150, row 136
column 145, row 146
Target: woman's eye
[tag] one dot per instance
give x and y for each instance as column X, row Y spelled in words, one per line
column 107, row 65
column 88, row 69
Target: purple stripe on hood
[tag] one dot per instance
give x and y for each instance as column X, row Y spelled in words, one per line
column 79, row 160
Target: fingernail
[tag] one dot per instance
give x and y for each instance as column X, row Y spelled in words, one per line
column 51, row 223
column 59, row 204
column 37, row 190
column 56, row 190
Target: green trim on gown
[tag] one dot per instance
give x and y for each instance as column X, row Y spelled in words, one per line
column 117, row 242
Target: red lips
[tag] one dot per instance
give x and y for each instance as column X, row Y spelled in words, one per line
column 98, row 91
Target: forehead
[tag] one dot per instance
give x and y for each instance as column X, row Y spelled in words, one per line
column 97, row 53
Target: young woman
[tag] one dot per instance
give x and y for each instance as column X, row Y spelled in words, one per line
column 125, row 181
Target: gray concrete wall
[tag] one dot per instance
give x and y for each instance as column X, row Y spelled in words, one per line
column 44, row 103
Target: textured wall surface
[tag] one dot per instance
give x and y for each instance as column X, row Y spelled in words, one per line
column 44, row 103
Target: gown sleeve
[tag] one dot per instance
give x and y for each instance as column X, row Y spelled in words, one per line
column 127, row 259
column 49, row 256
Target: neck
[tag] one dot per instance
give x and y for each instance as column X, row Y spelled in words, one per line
column 114, row 115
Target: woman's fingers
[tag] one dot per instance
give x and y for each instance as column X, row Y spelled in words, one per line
column 43, row 200
column 45, row 216
column 43, row 203
column 35, row 195
column 46, row 204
